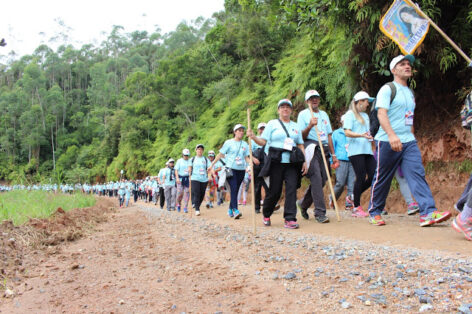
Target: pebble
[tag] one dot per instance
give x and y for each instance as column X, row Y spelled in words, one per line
column 426, row 307
column 275, row 276
column 290, row 276
column 345, row 305
column 420, row 292
column 425, row 299
column 173, row 307
column 464, row 309
column 399, row 274
column 8, row 293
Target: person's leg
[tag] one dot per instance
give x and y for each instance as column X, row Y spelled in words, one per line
column 463, row 221
column 463, row 198
column 180, row 193
column 404, row 189
column 202, row 187
column 351, row 178
column 316, row 183
column 257, row 193
column 240, row 192
column 168, row 197
column 358, row 163
column 273, row 194
column 173, row 196
column 162, row 197
column 186, row 197
column 415, row 176
column 341, row 177
column 387, row 163
column 290, row 176
column 235, row 183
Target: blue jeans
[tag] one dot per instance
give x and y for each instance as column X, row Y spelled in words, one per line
column 344, row 176
column 409, row 158
column 234, row 184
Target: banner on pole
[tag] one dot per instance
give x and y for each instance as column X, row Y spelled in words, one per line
column 404, row 26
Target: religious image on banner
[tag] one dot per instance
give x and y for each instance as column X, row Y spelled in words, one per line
column 404, row 26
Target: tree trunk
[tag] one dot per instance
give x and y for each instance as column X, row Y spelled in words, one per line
column 53, row 153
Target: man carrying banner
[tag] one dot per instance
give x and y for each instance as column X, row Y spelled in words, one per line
column 396, row 146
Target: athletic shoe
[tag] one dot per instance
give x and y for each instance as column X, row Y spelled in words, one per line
column 463, row 226
column 266, row 221
column 427, row 220
column 291, row 224
column 185, row 210
column 178, row 208
column 434, row 217
column 244, row 203
column 377, row 220
column 349, row 202
column 207, row 205
column 197, row 213
column 237, row 214
column 413, row 208
column 322, row 219
column 330, row 203
column 219, row 202
column 258, row 211
column 303, row 212
column 359, row 212
column 384, row 212
column 230, row 213
column 211, row 204
column 277, row 207
column 240, row 203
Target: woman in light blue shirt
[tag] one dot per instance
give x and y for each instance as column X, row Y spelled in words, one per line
column 198, row 169
column 359, row 147
column 236, row 154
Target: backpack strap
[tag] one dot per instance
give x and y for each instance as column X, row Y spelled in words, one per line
column 393, row 89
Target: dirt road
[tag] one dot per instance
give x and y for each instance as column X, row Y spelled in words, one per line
column 148, row 260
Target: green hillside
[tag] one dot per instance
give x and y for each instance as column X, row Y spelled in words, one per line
column 83, row 114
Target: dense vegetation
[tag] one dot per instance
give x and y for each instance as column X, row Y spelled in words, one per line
column 83, row 114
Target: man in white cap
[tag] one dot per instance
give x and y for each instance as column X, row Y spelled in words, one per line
column 160, row 180
column 316, row 171
column 396, row 146
column 170, row 187
column 182, row 179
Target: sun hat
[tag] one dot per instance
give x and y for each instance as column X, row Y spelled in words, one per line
column 399, row 59
column 363, row 95
column 283, row 102
column 238, row 126
column 311, row 93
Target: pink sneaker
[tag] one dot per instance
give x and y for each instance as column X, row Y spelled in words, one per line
column 359, row 212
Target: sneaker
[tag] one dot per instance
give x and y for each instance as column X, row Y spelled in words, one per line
column 237, row 214
column 207, row 205
column 322, row 219
column 463, row 226
column 384, row 212
column 377, row 220
column 349, row 202
column 258, row 211
column 178, row 208
column 330, row 203
column 230, row 213
column 185, row 210
column 219, row 202
column 291, row 224
column 211, row 204
column 266, row 221
column 240, row 203
column 359, row 212
column 413, row 208
column 434, row 217
column 197, row 213
column 303, row 212
column 244, row 203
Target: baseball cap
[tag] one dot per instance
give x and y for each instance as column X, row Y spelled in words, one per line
column 238, row 126
column 311, row 93
column 261, row 125
column 284, row 101
column 211, row 153
column 199, row 145
column 186, row 152
column 170, row 160
column 362, row 95
column 400, row 58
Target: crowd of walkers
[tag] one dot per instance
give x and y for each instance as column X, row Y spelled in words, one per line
column 367, row 151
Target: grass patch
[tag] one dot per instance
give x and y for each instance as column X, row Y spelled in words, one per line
column 19, row 206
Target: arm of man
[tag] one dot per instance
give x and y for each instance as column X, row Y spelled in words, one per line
column 331, row 147
column 395, row 142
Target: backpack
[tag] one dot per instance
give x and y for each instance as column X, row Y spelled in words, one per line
column 374, row 120
column 466, row 112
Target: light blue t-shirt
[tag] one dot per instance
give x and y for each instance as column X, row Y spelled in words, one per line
column 339, row 143
column 235, row 153
column 167, row 173
column 275, row 136
column 324, row 125
column 255, row 146
column 182, row 167
column 217, row 165
column 357, row 145
column 402, row 105
column 199, row 169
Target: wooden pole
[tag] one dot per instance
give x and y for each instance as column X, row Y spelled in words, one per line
column 326, row 168
column 449, row 40
column 190, row 191
column 253, row 198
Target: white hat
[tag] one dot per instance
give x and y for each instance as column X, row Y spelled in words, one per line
column 261, row 125
column 170, row 160
column 400, row 58
column 186, row 152
column 211, row 153
column 284, row 101
column 238, row 126
column 311, row 93
column 199, row 145
column 362, row 95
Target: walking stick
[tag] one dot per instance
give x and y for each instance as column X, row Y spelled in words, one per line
column 253, row 196
column 190, row 191
column 326, row 168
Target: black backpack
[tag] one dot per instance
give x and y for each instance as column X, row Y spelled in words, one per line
column 374, row 120
column 466, row 112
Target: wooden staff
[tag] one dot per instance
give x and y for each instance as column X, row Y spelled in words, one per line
column 449, row 40
column 190, row 190
column 326, row 167
column 253, row 198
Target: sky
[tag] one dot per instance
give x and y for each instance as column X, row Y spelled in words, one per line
column 25, row 24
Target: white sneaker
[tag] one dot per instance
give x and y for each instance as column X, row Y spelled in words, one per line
column 197, row 213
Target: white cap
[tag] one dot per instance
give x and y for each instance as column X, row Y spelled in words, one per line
column 170, row 160
column 261, row 125
column 400, row 58
column 238, row 126
column 186, row 152
column 211, row 153
column 284, row 101
column 362, row 95
column 311, row 93
column 199, row 145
